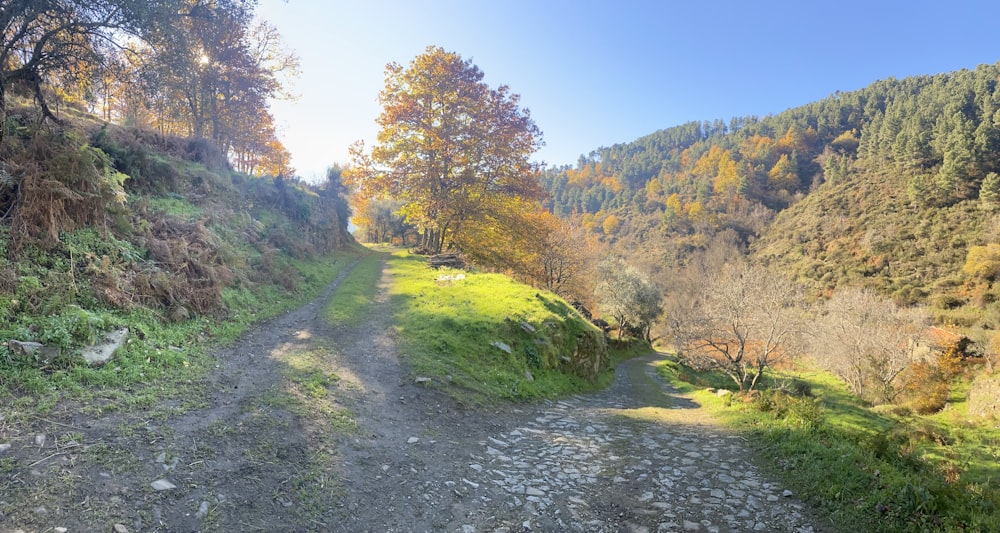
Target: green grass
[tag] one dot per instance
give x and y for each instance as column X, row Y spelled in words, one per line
column 161, row 360
column 864, row 469
column 355, row 293
column 449, row 326
column 178, row 206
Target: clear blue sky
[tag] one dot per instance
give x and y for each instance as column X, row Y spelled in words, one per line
column 599, row 73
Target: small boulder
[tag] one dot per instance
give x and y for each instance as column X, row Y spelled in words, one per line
column 99, row 354
column 501, row 345
column 42, row 353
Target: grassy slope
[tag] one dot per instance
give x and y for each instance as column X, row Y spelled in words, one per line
column 68, row 292
column 448, row 328
column 162, row 360
column 866, row 470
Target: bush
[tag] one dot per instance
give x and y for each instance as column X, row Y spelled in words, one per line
column 927, row 388
column 805, row 413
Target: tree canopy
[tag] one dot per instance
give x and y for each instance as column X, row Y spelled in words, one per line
column 200, row 68
column 45, row 38
column 454, row 151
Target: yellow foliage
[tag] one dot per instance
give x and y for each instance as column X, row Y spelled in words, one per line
column 674, row 203
column 846, row 142
column 611, row 183
column 983, row 262
column 653, row 190
column 757, row 149
column 794, row 140
column 708, row 164
column 611, row 224
column 696, row 211
column 727, row 181
column 783, row 175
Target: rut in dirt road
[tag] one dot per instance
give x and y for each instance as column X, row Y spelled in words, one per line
column 258, row 456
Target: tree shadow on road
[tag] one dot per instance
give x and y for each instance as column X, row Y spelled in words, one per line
column 647, row 397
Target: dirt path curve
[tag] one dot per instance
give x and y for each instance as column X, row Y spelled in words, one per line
column 313, row 428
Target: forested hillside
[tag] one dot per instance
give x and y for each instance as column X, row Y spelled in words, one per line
column 892, row 186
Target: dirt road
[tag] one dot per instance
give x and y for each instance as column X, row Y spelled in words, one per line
column 307, row 427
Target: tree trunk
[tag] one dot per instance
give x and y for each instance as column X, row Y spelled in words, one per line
column 3, row 108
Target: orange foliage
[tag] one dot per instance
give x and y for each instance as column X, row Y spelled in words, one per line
column 758, row 150
column 926, row 388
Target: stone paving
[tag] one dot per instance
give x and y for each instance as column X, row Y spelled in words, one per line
column 582, row 465
column 559, row 467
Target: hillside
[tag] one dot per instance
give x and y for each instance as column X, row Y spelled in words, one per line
column 107, row 226
column 890, row 186
column 865, row 231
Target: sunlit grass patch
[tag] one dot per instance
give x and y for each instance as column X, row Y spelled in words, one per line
column 355, row 293
column 865, row 469
column 176, row 205
column 457, row 326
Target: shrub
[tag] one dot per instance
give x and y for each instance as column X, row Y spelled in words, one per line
column 805, row 413
column 927, row 388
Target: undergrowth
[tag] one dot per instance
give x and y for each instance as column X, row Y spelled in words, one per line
column 109, row 227
column 161, row 360
column 863, row 469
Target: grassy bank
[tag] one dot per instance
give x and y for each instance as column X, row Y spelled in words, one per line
column 163, row 359
column 483, row 337
column 864, row 469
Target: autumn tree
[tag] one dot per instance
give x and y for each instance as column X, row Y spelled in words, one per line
column 785, row 173
column 452, row 149
column 221, row 80
column 611, row 224
column 740, row 320
column 568, row 254
column 869, row 342
column 983, row 262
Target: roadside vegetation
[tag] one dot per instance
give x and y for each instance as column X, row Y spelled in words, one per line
column 162, row 360
column 184, row 254
column 865, row 469
column 482, row 337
